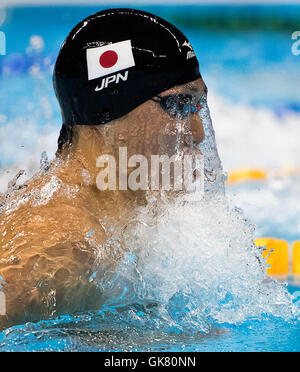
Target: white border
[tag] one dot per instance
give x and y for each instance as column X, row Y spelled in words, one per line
column 147, row 2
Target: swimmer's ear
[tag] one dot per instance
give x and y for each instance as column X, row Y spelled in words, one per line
column 65, row 138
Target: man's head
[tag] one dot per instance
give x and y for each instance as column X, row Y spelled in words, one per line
column 116, row 60
column 150, row 129
column 149, row 133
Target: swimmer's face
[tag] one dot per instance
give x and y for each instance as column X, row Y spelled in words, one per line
column 150, row 130
column 183, row 131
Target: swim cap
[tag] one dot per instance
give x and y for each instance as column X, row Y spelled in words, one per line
column 115, row 60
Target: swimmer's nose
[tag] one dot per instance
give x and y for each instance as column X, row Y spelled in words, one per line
column 197, row 128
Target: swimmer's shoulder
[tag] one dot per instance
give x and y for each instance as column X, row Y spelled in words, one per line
column 54, row 243
column 47, row 211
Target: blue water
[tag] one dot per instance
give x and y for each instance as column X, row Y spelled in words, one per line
column 273, row 205
column 107, row 331
column 251, row 66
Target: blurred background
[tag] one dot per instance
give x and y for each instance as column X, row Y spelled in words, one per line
column 249, row 59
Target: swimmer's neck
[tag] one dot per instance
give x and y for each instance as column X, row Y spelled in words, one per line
column 79, row 170
column 78, row 166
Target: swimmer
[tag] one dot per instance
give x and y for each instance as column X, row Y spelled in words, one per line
column 124, row 78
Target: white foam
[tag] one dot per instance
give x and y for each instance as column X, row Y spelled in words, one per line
column 196, row 260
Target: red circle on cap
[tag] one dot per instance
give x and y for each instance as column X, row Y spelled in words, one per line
column 108, row 59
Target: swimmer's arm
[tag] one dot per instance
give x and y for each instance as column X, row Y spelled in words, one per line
column 49, row 281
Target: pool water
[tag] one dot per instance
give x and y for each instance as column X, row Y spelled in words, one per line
column 254, row 81
column 93, row 332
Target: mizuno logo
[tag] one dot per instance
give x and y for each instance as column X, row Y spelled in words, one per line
column 187, row 44
column 112, row 79
column 190, row 54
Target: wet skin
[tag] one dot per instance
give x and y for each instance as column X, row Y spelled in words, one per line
column 50, row 246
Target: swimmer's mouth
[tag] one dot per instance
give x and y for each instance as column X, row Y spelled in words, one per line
column 197, row 166
column 196, row 174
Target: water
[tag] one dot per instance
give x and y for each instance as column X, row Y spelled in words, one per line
column 273, row 205
column 91, row 333
column 217, row 298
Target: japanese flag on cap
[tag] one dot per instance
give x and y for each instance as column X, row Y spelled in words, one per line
column 108, row 59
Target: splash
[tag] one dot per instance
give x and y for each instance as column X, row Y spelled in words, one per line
column 190, row 268
column 187, row 267
column 195, row 265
